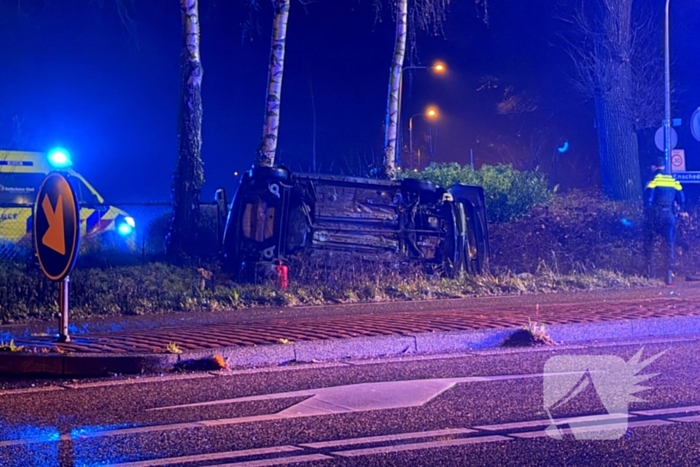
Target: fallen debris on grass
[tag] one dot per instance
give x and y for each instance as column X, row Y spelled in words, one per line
column 211, row 363
column 532, row 334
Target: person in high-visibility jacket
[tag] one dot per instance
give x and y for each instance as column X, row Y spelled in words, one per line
column 663, row 200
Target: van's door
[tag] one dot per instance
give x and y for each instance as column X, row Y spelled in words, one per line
column 17, row 195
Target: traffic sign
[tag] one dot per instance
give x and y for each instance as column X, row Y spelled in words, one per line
column 678, row 160
column 56, row 226
column 695, row 124
column 659, row 138
column 687, row 177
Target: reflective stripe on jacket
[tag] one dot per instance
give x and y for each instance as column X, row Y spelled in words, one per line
column 663, row 191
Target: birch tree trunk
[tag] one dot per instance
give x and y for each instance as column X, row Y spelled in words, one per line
column 189, row 173
column 268, row 145
column 392, row 106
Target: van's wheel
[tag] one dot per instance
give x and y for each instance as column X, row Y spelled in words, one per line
column 413, row 184
column 272, row 173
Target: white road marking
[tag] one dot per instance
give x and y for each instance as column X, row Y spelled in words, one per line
column 592, row 428
column 381, row 439
column 150, row 379
column 418, row 446
column 233, row 421
column 277, row 461
column 670, row 410
column 12, row 392
column 208, row 457
column 653, row 422
column 322, row 401
column 546, row 422
column 332, row 400
column 692, row 418
column 22, row 442
column 408, row 393
column 564, row 346
column 414, row 358
column 341, row 391
column 278, row 369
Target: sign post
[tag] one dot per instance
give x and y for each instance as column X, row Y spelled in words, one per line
column 57, row 237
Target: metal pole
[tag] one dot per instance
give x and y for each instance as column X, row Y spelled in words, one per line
column 667, row 120
column 399, row 147
column 63, row 310
column 471, row 157
column 667, row 88
column 410, row 141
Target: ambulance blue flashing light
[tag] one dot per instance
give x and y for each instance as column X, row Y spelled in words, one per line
column 59, row 158
column 126, row 226
column 564, row 147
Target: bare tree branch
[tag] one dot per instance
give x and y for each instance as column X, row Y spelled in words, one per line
column 614, row 66
column 612, row 48
column 124, row 9
column 428, row 16
column 250, row 25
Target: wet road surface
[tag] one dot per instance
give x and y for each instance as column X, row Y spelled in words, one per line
column 480, row 408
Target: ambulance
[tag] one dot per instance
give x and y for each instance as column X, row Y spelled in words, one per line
column 21, row 175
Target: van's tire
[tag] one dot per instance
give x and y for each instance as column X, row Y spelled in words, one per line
column 272, row 173
column 413, row 184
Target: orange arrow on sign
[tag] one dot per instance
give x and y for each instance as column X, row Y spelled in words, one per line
column 54, row 237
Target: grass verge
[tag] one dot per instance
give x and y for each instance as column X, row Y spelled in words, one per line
column 25, row 295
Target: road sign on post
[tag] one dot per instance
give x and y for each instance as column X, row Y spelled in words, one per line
column 57, row 237
column 695, row 124
column 678, row 160
column 659, row 138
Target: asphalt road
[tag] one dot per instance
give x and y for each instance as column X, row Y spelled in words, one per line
column 482, row 408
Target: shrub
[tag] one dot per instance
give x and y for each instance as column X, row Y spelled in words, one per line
column 509, row 193
column 583, row 231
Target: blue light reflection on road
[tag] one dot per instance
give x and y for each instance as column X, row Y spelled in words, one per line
column 49, row 447
column 42, row 452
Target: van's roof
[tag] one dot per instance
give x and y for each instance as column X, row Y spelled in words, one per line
column 345, row 179
column 22, row 161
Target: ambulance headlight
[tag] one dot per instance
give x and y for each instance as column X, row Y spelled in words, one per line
column 126, row 226
column 59, row 158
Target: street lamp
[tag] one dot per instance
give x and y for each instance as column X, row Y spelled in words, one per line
column 667, row 89
column 431, row 113
column 437, row 67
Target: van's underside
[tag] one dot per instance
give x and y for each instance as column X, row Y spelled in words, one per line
column 279, row 216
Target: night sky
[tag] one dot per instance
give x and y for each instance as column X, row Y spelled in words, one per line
column 77, row 78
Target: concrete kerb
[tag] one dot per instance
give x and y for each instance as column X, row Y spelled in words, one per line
column 248, row 356
column 461, row 341
column 84, row 364
column 355, row 347
column 680, row 326
column 340, row 349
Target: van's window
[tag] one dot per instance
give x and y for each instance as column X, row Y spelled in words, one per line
column 19, row 188
column 83, row 193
